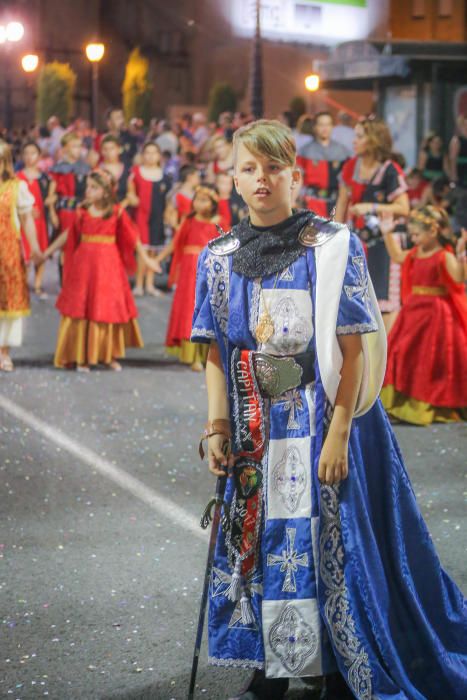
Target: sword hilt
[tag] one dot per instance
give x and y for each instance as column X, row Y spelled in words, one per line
column 218, row 500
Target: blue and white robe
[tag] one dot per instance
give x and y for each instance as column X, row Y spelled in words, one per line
column 347, row 576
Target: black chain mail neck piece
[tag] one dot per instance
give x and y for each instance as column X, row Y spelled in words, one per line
column 264, row 251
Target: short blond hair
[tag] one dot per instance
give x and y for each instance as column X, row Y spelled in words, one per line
column 70, row 136
column 267, row 138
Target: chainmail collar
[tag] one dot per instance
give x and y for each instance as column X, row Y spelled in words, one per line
column 264, row 251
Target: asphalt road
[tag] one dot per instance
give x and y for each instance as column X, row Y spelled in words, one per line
column 101, row 490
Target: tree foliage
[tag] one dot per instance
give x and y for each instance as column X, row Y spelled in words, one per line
column 55, row 92
column 222, row 98
column 137, row 87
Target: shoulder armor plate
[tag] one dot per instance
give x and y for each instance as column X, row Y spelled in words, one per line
column 224, row 245
column 318, row 232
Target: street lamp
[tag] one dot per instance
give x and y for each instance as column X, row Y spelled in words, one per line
column 9, row 34
column 30, row 62
column 14, row 31
column 312, row 85
column 94, row 53
column 312, row 82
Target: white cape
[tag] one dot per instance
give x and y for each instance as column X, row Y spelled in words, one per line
column 331, row 262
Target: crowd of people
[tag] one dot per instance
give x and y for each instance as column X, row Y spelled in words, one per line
column 135, row 204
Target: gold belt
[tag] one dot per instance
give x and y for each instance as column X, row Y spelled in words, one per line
column 430, row 291
column 192, row 249
column 109, row 240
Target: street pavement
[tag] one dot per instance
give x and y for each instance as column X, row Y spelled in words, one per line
column 102, row 559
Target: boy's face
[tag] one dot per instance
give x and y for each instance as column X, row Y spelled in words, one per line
column 72, row 149
column 110, row 152
column 264, row 184
column 323, row 127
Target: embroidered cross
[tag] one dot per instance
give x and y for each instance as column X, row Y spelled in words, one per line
column 292, row 402
column 289, row 561
column 361, row 288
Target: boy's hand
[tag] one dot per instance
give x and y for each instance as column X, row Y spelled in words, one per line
column 333, row 462
column 219, row 457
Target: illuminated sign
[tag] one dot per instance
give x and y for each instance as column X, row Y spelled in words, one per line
column 305, row 21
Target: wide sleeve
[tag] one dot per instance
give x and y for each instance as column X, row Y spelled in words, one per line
column 127, row 238
column 25, row 200
column 394, row 182
column 356, row 314
column 203, row 329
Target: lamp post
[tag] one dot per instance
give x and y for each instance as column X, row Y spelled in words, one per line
column 29, row 64
column 257, row 69
column 94, row 53
column 312, row 86
column 9, row 34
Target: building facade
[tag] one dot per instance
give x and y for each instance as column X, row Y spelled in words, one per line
column 191, row 44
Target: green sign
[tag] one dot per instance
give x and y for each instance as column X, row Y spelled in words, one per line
column 344, row 3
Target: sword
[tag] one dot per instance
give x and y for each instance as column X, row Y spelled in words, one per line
column 217, row 502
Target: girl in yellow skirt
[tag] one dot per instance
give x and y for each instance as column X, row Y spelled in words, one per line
column 99, row 315
column 16, row 204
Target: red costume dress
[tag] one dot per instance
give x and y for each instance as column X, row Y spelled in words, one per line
column 96, row 303
column 189, row 241
column 149, row 214
column 321, row 166
column 426, row 376
column 39, row 188
column 183, row 205
column 385, row 186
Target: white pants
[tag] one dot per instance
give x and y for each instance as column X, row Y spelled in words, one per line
column 11, row 332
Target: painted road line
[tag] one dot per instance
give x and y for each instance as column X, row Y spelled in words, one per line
column 164, row 506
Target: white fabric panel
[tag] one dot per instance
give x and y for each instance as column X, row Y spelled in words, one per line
column 291, row 311
column 11, row 332
column 292, row 632
column 289, row 488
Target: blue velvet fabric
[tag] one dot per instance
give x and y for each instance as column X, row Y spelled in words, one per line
column 367, row 590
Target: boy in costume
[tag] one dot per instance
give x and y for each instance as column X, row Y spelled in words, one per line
column 326, row 568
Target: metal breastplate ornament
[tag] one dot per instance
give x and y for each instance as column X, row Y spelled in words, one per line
column 226, row 244
column 319, row 231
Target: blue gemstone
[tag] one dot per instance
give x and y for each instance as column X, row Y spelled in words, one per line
column 292, row 639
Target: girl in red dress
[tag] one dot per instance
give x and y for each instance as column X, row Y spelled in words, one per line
column 147, row 192
column 97, row 307
column 193, row 235
column 38, row 184
column 426, row 376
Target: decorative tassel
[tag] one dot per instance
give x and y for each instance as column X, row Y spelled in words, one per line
column 234, row 590
column 245, row 608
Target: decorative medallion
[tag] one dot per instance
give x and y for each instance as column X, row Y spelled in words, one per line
column 289, row 479
column 292, row 640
